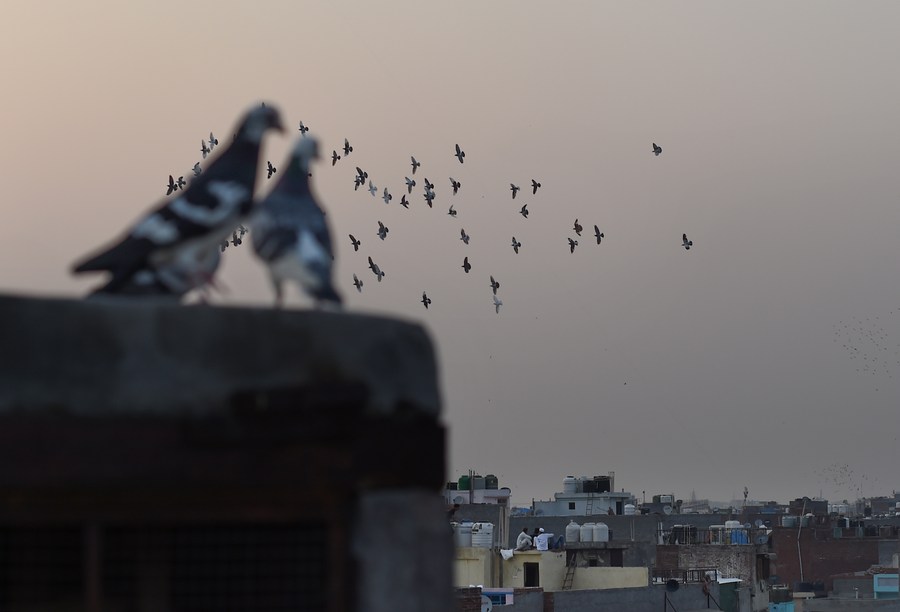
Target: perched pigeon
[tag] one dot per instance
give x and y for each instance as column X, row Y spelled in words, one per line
column 466, row 265
column 197, row 170
column 415, row 164
column 464, row 236
column 534, row 186
column 404, row 202
column 452, row 211
column 375, row 269
column 687, row 244
column 181, row 182
column 347, row 147
column 303, row 129
column 172, row 280
column 182, row 230
column 290, row 232
column 204, row 150
column 270, row 169
column 382, row 230
column 372, row 188
column 334, row 158
column 514, row 189
column 577, row 227
column 497, row 304
column 426, row 300
column 357, row 283
column 515, row 245
column 410, row 183
column 598, row 234
column 172, row 187
column 494, row 285
column 455, row 184
column 524, row 211
column 429, row 197
column 429, row 186
column 460, row 154
column 354, row 242
column 572, row 245
column 213, row 141
column 657, row 149
column 387, row 197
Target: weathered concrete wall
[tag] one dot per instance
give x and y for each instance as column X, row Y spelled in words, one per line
column 473, row 566
column 527, row 600
column 610, row 578
column 647, row 599
column 731, row 561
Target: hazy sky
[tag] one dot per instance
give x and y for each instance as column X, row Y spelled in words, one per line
column 707, row 370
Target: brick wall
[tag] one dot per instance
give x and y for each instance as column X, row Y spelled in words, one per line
column 823, row 556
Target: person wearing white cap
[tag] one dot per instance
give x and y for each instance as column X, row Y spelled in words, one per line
column 540, row 542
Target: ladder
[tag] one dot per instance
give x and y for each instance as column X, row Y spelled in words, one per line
column 570, row 574
column 589, row 505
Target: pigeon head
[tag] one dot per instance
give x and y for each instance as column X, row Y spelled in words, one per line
column 257, row 121
column 305, row 150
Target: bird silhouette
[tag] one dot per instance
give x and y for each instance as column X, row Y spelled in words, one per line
column 534, row 186
column 460, row 154
column 494, row 285
column 466, row 265
column 426, row 300
column 598, row 234
column 572, row 245
column 514, row 189
column 347, row 147
column 270, row 169
column 657, row 149
column 524, row 211
column 357, row 283
column 354, row 242
column 515, row 245
column 455, row 184
column 334, row 158
column 687, row 244
column 415, row 164
column 464, row 236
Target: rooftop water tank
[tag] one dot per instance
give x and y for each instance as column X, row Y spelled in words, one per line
column 478, row 482
column 842, row 508
column 733, row 525
column 573, row 532
column 483, row 535
column 491, row 482
column 464, row 482
column 464, row 534
column 789, row 520
column 601, row 532
column 587, row 532
column 666, row 499
column 629, row 509
column 570, row 485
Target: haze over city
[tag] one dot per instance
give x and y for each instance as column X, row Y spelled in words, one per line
column 766, row 356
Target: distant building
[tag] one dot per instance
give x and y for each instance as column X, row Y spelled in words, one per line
column 586, row 496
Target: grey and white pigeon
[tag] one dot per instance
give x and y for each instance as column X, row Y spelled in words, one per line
column 196, row 169
column 204, row 150
column 429, row 197
column 598, row 234
column 524, row 211
column 290, row 233
column 172, row 186
column 464, row 236
column 362, row 174
column 657, row 149
column 452, row 211
column 334, row 158
column 357, row 283
column 372, row 188
column 426, row 300
column 173, row 280
column 429, row 186
column 514, row 189
column 357, row 181
column 270, row 169
column 180, row 232
column 387, row 197
column 382, row 230
column 415, row 164
column 572, row 245
column 534, row 186
column 303, row 129
column 181, row 182
column 375, row 269
column 347, row 148
column 403, row 201
column 515, row 245
column 213, row 141
column 460, row 154
column 410, row 183
column 455, row 184
column 494, row 285
column 354, row 242
column 497, row 304
column 466, row 266
column 687, row 244
column 577, row 227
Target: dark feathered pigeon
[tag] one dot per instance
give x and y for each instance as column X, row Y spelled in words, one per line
column 181, row 182
column 410, row 183
column 172, row 187
column 196, row 169
column 347, row 147
column 173, row 280
column 514, row 189
column 598, row 234
column 387, row 197
column 464, row 236
column 382, row 230
column 357, row 283
column 290, row 233
column 426, row 300
column 415, row 164
column 494, row 285
column 657, row 149
column 524, row 210
column 354, row 242
column 577, row 227
column 534, row 186
column 303, row 129
column 204, row 150
column 363, row 175
column 404, row 202
column 460, row 154
column 452, row 211
column 455, row 184
column 572, row 245
column 687, row 244
column 334, row 158
column 270, row 169
column 466, row 265
column 182, row 230
column 515, row 245
column 429, row 186
column 375, row 269
column 429, row 197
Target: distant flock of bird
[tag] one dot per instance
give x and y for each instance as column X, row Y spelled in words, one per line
column 176, row 247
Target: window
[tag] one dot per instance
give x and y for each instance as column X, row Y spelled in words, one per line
column 532, row 575
column 616, row 558
column 571, row 505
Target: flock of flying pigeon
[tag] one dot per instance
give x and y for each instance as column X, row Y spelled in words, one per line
column 177, row 246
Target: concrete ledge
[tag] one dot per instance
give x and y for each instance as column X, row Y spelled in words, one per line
column 119, row 358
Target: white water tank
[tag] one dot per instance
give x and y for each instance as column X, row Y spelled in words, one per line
column 733, row 525
column 573, row 532
column 482, row 535
column 587, row 532
column 601, row 532
column 464, row 534
column 630, row 510
column 666, row 499
column 842, row 508
column 570, row 485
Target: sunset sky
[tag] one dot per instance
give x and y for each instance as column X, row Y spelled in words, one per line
column 767, row 356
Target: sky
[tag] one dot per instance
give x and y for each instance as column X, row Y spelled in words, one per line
column 765, row 357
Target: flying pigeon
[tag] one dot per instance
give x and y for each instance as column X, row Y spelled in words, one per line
column 466, row 265
column 429, row 197
column 410, row 183
column 181, row 182
column 455, row 184
column 534, row 186
column 357, row 283
column 598, row 234
column 428, row 184
column 426, row 300
column 242, row 230
column 235, row 239
column 172, row 186
column 387, row 197
column 524, row 211
column 452, row 211
column 196, row 169
column 657, row 149
column 494, row 285
column 347, row 147
column 464, row 236
column 514, row 189
column 404, row 202
column 181, row 231
column 204, row 150
column 375, row 269
column 270, row 169
column 361, row 174
column 687, row 244
column 497, row 304
column 572, row 245
column 213, row 141
column 577, row 227
column 303, row 129
column 290, row 232
column 415, row 164
column 382, row 230
column 354, row 242
column 460, row 154
column 372, row 188
column 334, row 158
column 357, row 181
column 515, row 245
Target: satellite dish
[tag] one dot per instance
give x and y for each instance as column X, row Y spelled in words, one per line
column 758, row 523
column 672, row 585
column 667, row 509
column 486, row 604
